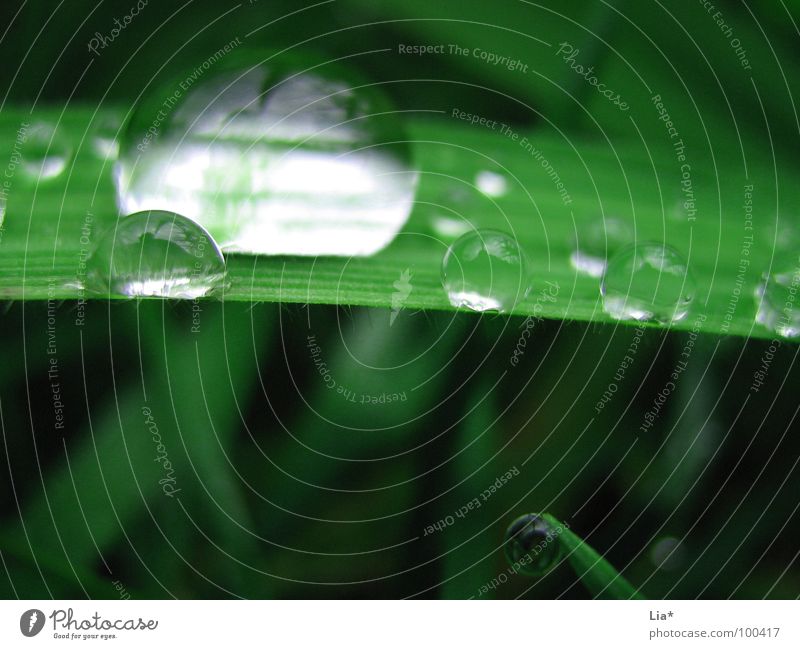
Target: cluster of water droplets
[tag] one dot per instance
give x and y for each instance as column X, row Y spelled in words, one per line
column 488, row 270
column 646, row 281
column 271, row 157
column 777, row 296
column 260, row 155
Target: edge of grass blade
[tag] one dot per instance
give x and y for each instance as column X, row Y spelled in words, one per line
column 601, row 579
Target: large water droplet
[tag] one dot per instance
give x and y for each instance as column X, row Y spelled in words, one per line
column 778, row 296
column 485, row 270
column 598, row 242
column 156, row 254
column 272, row 157
column 45, row 154
column 531, row 546
column 647, row 282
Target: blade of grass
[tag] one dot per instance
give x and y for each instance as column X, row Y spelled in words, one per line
column 41, row 248
column 600, row 578
column 522, row 32
column 111, row 474
column 467, row 567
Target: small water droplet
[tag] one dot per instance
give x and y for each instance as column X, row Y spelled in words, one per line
column 675, row 206
column 787, row 237
column 458, row 195
column 647, row 282
column 272, row 157
column 45, row 154
column 105, row 131
column 531, row 546
column 491, row 183
column 156, row 254
column 485, row 270
column 777, row 296
column 449, row 228
column 598, row 242
column 668, row 553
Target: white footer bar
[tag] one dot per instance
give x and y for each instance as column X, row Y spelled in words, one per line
column 388, row 624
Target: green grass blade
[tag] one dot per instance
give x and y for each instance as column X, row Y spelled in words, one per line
column 467, row 562
column 41, row 244
column 600, row 578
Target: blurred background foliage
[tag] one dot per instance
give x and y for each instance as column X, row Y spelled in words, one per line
column 287, row 488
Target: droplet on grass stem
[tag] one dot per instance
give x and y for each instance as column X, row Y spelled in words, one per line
column 485, row 270
column 647, row 282
column 273, row 156
column 777, row 296
column 45, row 154
column 155, row 254
column 531, row 546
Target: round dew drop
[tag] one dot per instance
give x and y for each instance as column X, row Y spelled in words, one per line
column 448, row 228
column 668, row 553
column 647, row 282
column 105, row 142
column 45, row 155
column 491, row 183
column 777, row 297
column 531, row 546
column 155, row 254
column 485, row 270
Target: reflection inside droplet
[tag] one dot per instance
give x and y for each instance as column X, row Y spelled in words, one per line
column 45, row 154
column 647, row 282
column 273, row 159
column 485, row 270
column 777, row 296
column 531, row 546
column 155, row 254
